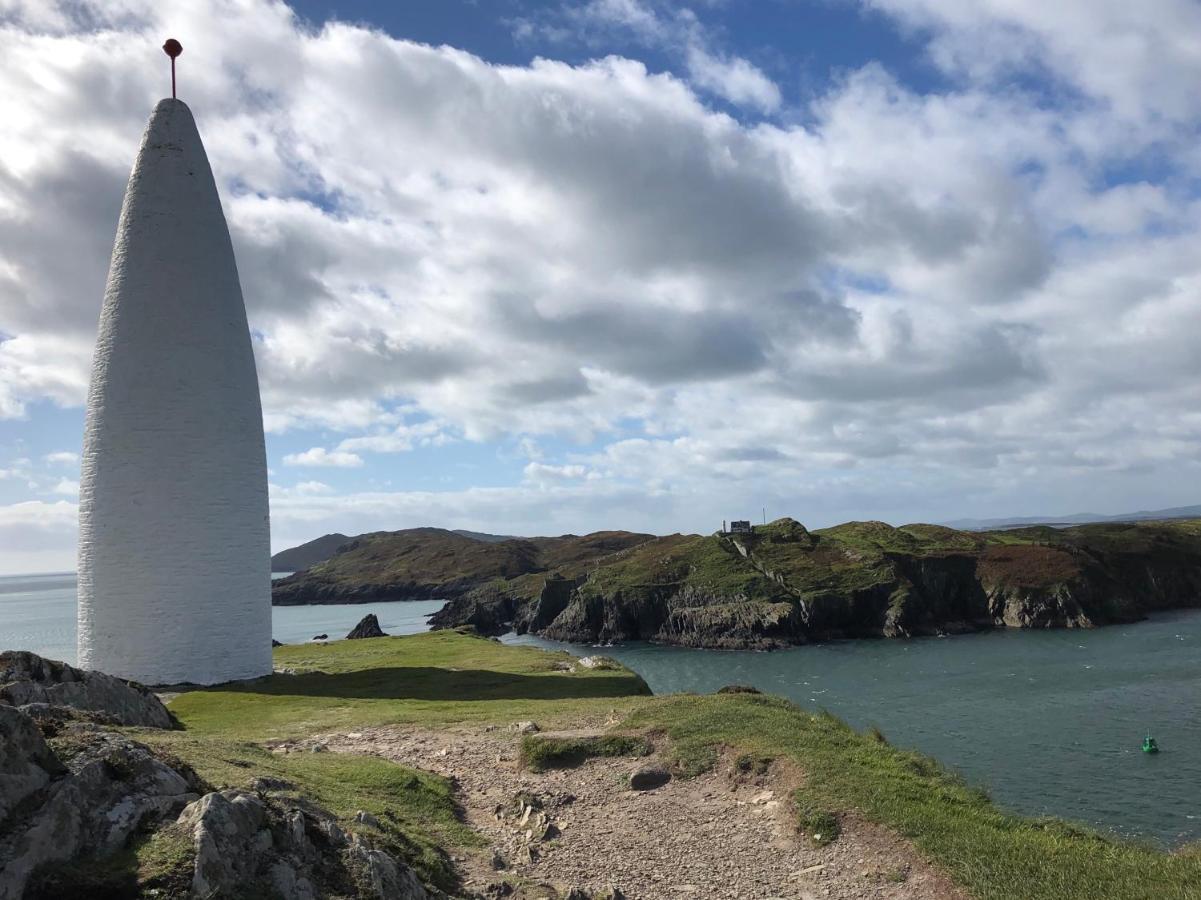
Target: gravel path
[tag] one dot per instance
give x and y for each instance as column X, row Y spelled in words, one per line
column 720, row 835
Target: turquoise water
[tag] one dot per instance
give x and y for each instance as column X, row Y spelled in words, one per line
column 1050, row 722
column 37, row 612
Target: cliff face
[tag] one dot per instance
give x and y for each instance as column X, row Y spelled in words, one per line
column 784, row 585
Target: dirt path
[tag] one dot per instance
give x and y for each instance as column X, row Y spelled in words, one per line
column 720, row 835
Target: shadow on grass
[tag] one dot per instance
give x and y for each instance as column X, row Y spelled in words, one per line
column 428, row 683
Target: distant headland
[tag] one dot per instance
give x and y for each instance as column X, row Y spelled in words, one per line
column 773, row 586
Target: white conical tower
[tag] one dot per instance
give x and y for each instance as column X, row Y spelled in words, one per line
column 174, row 546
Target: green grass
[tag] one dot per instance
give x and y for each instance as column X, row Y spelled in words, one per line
column 159, row 861
column 429, row 679
column 416, row 810
column 818, row 826
column 995, row 855
column 540, row 752
column 442, row 678
column 433, row 678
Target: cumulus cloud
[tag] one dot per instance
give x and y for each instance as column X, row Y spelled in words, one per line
column 66, row 486
column 541, row 473
column 943, row 303
column 62, row 458
column 319, row 456
column 734, row 79
column 669, row 27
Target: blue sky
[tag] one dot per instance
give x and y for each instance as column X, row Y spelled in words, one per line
column 545, row 267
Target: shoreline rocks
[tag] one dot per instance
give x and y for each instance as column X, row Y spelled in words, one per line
column 368, row 627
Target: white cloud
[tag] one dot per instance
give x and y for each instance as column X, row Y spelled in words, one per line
column 62, row 458
column 674, row 29
column 733, row 79
column 937, row 303
column 541, row 473
column 398, row 439
column 38, row 537
column 66, row 486
column 319, row 456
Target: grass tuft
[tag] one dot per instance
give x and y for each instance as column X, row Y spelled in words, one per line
column 541, row 752
column 818, row 826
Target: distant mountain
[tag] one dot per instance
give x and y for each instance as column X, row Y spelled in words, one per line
column 1176, row 512
column 306, row 555
column 427, row 563
column 297, row 559
column 485, row 537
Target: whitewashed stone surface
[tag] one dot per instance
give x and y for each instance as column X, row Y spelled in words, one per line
column 174, row 547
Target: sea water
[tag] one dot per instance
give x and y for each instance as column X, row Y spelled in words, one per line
column 1050, row 722
column 37, row 612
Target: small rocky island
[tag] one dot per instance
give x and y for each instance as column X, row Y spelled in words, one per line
column 776, row 585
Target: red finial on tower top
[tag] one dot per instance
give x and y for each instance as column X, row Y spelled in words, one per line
column 172, row 48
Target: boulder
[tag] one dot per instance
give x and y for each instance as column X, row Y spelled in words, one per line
column 26, row 678
column 321, row 637
column 109, row 788
column 26, row 763
column 647, row 778
column 227, row 831
column 368, row 627
column 251, row 844
column 388, row 879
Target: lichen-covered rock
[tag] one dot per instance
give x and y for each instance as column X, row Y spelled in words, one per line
column 227, row 828
column 26, row 762
column 109, row 787
column 389, row 880
column 287, row 847
column 368, row 627
column 26, row 678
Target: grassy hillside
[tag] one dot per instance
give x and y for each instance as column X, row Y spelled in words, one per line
column 308, row 554
column 420, row 563
column 783, row 584
column 447, row 678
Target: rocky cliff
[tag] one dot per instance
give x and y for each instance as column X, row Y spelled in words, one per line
column 782, row 584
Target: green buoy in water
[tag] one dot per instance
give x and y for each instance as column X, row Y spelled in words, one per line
column 1149, row 745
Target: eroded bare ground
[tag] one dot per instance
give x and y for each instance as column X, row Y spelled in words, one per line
column 719, row 835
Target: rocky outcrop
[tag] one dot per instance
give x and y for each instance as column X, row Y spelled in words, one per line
column 26, row 764
column 255, row 843
column 77, row 793
column 26, row 678
column 85, row 798
column 368, row 627
column 488, row 609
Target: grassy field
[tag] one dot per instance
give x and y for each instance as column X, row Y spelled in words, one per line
column 444, row 678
